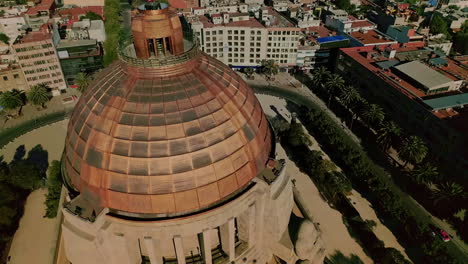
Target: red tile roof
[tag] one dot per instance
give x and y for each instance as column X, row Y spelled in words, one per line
column 45, row 5
column 370, row 37
column 360, row 24
column 76, row 12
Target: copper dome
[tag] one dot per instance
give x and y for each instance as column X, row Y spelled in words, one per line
column 167, row 139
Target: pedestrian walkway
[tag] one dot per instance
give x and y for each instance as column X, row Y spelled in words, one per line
column 63, row 102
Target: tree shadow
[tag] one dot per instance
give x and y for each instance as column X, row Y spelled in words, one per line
column 19, row 153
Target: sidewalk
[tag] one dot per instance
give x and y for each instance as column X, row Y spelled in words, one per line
column 30, row 112
column 286, row 81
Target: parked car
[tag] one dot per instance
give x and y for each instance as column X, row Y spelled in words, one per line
column 445, row 237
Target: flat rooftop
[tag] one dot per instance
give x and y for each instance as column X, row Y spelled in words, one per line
column 445, row 102
column 64, row 44
column 423, row 74
column 371, row 37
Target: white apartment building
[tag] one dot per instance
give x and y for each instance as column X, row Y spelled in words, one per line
column 349, row 24
column 12, row 26
column 242, row 41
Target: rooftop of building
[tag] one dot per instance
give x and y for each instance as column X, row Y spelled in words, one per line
column 76, row 12
column 423, row 74
column 34, row 36
column 250, row 23
column 66, row 44
column 278, row 20
column 43, row 6
column 412, row 62
column 371, row 37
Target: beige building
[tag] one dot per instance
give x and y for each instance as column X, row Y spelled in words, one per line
column 239, row 40
column 39, row 62
column 11, row 77
column 171, row 160
column 84, row 2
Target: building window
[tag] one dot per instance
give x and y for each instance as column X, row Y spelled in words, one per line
column 5, row 78
column 16, row 76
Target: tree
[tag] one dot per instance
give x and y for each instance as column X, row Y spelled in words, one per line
column 333, row 83
column 249, row 72
column 24, row 175
column 373, row 114
column 38, row 95
column 413, row 150
column 296, row 135
column 448, row 192
column 319, row 76
column 351, row 99
column 460, row 41
column 269, row 68
column 424, row 173
column 438, row 25
column 4, row 38
column 12, row 100
column 7, row 215
column 343, row 4
column 339, row 258
column 54, row 186
column 91, row 16
column 391, row 256
column 82, row 80
column 387, row 135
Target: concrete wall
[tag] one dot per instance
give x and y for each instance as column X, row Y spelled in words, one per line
column 260, row 214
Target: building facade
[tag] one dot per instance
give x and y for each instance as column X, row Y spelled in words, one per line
column 404, row 80
column 243, row 41
column 79, row 56
column 39, row 62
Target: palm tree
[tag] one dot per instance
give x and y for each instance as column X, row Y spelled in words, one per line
column 351, row 99
column 340, row 258
column 249, row 72
column 448, row 192
column 82, row 80
column 11, row 100
column 333, row 83
column 373, row 114
column 425, row 173
column 412, row 150
column 320, row 75
column 388, row 133
column 38, row 95
column 270, row 68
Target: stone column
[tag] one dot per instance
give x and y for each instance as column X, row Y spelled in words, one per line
column 207, row 246
column 179, row 250
column 227, row 231
column 252, row 222
column 153, row 248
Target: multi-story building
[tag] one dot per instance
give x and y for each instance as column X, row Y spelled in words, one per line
column 243, row 41
column 86, row 29
column 424, row 93
column 11, row 76
column 319, row 47
column 79, row 56
column 443, row 44
column 39, row 14
column 404, row 34
column 348, row 24
column 38, row 59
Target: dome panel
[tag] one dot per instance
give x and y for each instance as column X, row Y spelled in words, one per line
column 147, row 142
